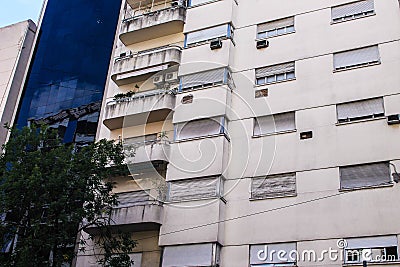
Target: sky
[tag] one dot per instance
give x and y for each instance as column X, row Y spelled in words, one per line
column 18, row 10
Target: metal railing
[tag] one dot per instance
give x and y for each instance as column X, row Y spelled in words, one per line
column 142, row 95
column 130, row 54
column 143, row 8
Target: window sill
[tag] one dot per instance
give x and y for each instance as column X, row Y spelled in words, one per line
column 365, row 16
column 276, row 133
column 366, row 187
column 358, row 67
column 273, row 197
column 359, row 121
column 277, row 82
column 270, row 37
column 202, row 137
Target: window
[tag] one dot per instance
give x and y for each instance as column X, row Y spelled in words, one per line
column 352, row 11
column 207, row 254
column 205, row 78
column 268, row 255
column 356, row 58
column 371, row 249
column 275, row 73
column 276, row 123
column 365, row 175
column 195, row 189
column 221, row 31
column 272, row 186
column 275, row 28
column 360, row 110
column 199, row 128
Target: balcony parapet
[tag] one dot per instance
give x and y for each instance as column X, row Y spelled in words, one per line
column 148, row 148
column 137, row 211
column 144, row 107
column 132, row 67
column 153, row 24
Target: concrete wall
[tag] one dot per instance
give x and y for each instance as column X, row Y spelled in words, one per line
column 313, row 96
column 320, row 213
column 16, row 43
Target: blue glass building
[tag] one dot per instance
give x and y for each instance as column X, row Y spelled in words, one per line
column 68, row 71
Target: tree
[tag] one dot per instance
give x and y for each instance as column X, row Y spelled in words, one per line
column 50, row 192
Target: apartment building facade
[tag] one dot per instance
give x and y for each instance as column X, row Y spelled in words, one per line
column 253, row 126
column 15, row 47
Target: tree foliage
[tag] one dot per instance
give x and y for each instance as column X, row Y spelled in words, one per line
column 50, row 192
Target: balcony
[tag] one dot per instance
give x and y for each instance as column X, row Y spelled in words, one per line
column 136, row 211
column 142, row 108
column 153, row 24
column 134, row 67
column 148, row 148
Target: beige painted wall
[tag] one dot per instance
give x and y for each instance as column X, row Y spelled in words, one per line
column 16, row 42
column 313, row 95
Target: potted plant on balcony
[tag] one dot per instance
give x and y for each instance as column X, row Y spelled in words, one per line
column 122, row 96
column 162, row 136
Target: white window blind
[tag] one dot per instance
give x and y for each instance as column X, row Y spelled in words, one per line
column 274, row 123
column 365, row 175
column 192, row 189
column 132, row 198
column 275, row 69
column 273, row 186
column 191, row 255
column 205, row 78
column 207, row 34
column 356, row 57
column 360, row 110
column 260, row 254
column 352, row 10
column 199, row 128
column 372, row 242
column 276, row 24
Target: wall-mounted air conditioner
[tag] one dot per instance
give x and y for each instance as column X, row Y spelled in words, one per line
column 158, row 79
column 171, row 77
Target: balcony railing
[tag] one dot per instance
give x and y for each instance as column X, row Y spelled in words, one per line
column 153, row 147
column 153, row 24
column 131, row 67
column 136, row 211
column 142, row 108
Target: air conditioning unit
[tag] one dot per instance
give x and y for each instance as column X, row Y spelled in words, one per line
column 171, row 77
column 262, row 44
column 216, row 44
column 158, row 79
column 393, row 119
